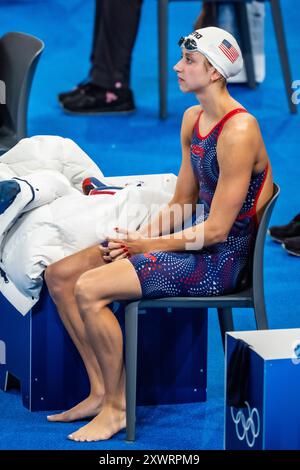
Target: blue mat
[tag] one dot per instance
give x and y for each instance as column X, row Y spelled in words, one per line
column 141, row 143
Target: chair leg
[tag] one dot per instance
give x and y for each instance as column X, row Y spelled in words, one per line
column 259, row 304
column 260, row 313
column 3, row 378
column 242, row 16
column 131, row 333
column 225, row 322
column 162, row 6
column 279, row 31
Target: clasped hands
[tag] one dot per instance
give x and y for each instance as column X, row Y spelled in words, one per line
column 131, row 243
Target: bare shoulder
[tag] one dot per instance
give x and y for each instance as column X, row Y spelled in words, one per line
column 188, row 121
column 242, row 126
column 190, row 115
column 192, row 111
column 240, row 136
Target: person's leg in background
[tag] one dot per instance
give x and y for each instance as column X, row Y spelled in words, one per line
column 97, row 22
column 217, row 14
column 288, row 235
column 86, row 82
column 208, row 15
column 114, row 37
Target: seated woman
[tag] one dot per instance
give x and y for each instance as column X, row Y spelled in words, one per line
column 225, row 167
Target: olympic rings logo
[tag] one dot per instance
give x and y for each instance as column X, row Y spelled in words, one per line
column 296, row 350
column 246, row 428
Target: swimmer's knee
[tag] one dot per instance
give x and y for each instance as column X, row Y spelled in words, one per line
column 89, row 301
column 56, row 279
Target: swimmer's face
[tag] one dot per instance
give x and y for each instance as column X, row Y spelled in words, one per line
column 193, row 74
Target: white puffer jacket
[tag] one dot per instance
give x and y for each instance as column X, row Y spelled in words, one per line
column 62, row 225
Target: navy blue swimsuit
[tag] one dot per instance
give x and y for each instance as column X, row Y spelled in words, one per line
column 215, row 269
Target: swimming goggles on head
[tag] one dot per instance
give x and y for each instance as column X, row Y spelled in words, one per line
column 188, row 43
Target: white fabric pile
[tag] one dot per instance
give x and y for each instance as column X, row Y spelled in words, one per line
column 61, row 220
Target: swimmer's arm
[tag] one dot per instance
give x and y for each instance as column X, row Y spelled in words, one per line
column 183, row 202
column 236, row 158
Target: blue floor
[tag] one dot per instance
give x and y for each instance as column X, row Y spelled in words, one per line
column 141, row 143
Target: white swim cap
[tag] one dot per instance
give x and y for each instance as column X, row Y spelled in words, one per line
column 218, row 46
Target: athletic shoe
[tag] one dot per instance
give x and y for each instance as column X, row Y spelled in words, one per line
column 292, row 246
column 79, row 89
column 95, row 100
column 280, row 233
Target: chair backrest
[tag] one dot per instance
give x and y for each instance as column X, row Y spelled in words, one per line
column 258, row 255
column 19, row 55
column 252, row 274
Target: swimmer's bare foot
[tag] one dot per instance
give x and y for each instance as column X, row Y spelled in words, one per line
column 109, row 421
column 89, row 407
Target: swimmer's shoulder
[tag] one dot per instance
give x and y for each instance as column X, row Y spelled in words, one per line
column 189, row 119
column 191, row 114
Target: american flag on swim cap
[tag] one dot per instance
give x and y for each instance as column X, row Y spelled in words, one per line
column 229, row 50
